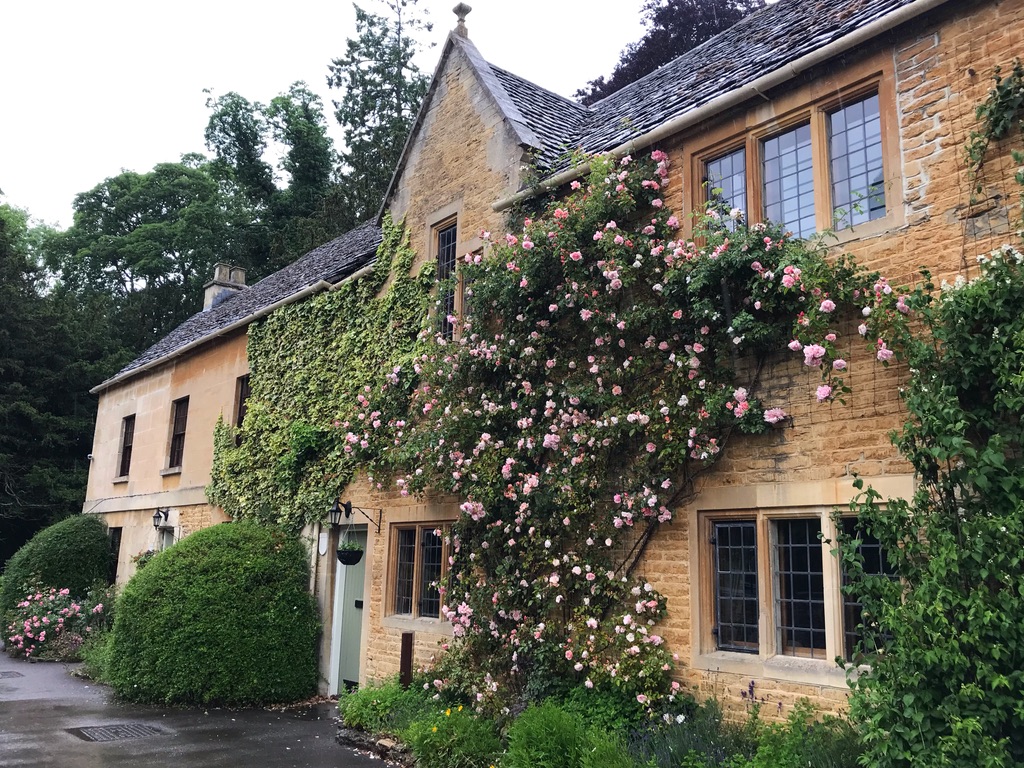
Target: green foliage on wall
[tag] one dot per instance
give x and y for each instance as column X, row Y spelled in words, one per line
column 310, row 363
column 1001, row 116
column 223, row 617
column 601, row 363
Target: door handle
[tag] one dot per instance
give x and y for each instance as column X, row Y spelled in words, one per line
column 359, row 604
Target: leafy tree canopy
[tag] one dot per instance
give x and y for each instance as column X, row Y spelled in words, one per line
column 673, row 28
column 288, row 209
column 148, row 241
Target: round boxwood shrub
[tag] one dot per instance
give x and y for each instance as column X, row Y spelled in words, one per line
column 72, row 554
column 222, row 617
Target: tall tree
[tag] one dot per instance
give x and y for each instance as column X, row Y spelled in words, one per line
column 382, row 90
column 673, row 28
column 297, row 121
column 236, row 133
column 148, row 242
column 289, row 207
column 50, row 343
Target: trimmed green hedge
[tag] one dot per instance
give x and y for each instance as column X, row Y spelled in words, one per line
column 223, row 617
column 72, row 554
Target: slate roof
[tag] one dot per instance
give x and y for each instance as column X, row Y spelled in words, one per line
column 331, row 262
column 555, row 120
column 764, row 41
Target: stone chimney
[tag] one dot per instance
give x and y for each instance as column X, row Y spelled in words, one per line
column 461, row 10
column 226, row 281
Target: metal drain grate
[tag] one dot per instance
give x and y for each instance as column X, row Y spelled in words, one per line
column 118, row 732
column 8, row 675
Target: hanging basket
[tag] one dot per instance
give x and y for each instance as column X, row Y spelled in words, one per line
column 349, row 556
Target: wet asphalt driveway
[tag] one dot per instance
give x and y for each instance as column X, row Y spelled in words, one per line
column 49, row 718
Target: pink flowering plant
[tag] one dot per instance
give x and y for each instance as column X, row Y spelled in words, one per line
column 51, row 624
column 600, row 365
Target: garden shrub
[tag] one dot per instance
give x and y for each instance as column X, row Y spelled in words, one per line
column 95, row 655
column 72, row 554
column 223, row 617
column 605, row 708
column 947, row 685
column 701, row 739
column 383, row 707
column 802, row 740
column 606, row 750
column 454, row 738
column 49, row 623
column 548, row 736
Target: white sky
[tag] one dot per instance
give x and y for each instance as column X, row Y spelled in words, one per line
column 91, row 88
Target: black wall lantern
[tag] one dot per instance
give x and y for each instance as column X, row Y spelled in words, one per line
column 350, row 551
column 160, row 518
column 341, row 511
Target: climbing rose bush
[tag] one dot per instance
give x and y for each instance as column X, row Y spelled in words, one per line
column 600, row 365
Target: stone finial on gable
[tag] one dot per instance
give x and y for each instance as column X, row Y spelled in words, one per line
column 461, row 10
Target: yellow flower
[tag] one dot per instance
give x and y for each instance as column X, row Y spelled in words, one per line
column 460, row 707
column 434, row 729
column 447, row 713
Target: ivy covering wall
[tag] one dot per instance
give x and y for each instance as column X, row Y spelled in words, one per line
column 310, row 363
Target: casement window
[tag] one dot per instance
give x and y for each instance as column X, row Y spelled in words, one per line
column 726, row 180
column 449, row 296
column 787, row 180
column 419, row 562
column 179, row 420
column 115, row 552
column 875, row 562
column 124, row 461
column 775, row 586
column 242, row 393
column 814, row 166
column 855, row 154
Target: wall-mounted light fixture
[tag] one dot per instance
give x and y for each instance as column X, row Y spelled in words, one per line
column 342, row 510
column 160, row 518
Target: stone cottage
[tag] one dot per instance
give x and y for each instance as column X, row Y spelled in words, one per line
column 845, row 114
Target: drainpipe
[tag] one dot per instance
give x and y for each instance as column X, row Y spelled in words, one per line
column 355, row 275
column 734, row 97
column 314, row 557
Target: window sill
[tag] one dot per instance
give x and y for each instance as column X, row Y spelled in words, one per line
column 863, row 231
column 120, row 480
column 407, row 623
column 790, row 669
column 170, row 471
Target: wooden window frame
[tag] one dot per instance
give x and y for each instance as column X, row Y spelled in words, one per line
column 124, row 455
column 417, row 577
column 810, row 104
column 770, row 645
column 176, row 449
column 242, row 394
column 448, row 331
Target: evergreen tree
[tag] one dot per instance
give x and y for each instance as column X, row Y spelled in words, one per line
column 51, row 344
column 276, row 222
column 673, row 28
column 382, row 90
